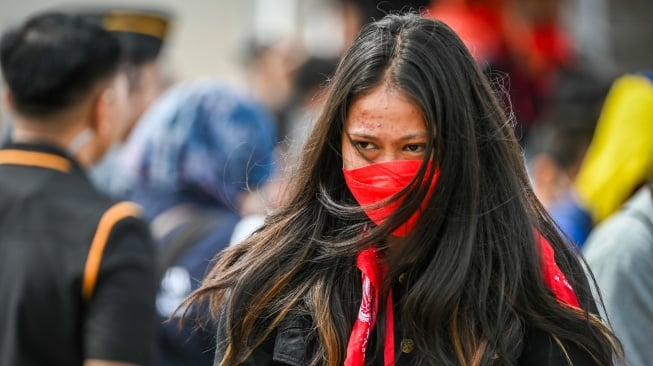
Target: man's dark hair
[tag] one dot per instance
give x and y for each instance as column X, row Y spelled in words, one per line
column 53, row 60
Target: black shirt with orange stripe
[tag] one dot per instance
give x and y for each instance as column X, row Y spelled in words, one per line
column 76, row 269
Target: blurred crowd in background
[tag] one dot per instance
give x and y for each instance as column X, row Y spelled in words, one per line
column 207, row 157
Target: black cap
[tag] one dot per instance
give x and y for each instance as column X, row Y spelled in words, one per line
column 141, row 32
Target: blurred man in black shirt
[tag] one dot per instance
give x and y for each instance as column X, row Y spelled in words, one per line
column 76, row 270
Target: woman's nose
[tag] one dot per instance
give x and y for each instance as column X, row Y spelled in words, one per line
column 388, row 155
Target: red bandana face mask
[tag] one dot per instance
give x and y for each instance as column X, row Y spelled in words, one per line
column 375, row 183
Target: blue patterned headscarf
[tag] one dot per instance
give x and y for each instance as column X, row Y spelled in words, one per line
column 202, row 137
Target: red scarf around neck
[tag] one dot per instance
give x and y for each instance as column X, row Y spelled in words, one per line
column 373, row 274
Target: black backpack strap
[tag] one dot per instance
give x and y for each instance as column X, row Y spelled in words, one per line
column 184, row 227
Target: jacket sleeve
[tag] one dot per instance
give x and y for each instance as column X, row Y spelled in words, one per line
column 120, row 319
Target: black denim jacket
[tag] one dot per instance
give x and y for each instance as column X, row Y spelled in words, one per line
column 289, row 345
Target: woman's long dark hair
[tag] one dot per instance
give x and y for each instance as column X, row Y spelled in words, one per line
column 472, row 268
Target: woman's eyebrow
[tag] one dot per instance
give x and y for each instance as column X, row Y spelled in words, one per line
column 361, row 135
column 413, row 136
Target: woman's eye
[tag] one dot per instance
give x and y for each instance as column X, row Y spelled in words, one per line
column 415, row 148
column 364, row 145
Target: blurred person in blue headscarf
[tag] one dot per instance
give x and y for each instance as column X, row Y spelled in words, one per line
column 190, row 163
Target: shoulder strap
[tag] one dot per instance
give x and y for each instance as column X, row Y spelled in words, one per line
column 109, row 219
column 196, row 225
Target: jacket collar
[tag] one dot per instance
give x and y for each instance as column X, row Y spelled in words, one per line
column 41, row 155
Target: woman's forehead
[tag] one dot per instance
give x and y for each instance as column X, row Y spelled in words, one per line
column 384, row 110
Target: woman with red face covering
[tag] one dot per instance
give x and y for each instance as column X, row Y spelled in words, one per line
column 411, row 235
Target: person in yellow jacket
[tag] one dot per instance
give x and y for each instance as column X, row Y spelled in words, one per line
column 620, row 155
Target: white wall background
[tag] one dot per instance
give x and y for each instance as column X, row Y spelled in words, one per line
column 205, row 38
column 208, row 37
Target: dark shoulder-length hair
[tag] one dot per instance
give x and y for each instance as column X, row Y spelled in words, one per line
column 473, row 277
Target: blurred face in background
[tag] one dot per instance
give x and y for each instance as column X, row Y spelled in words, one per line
column 112, row 118
column 146, row 83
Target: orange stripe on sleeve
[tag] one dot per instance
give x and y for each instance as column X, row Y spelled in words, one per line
column 109, row 219
column 35, row 158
